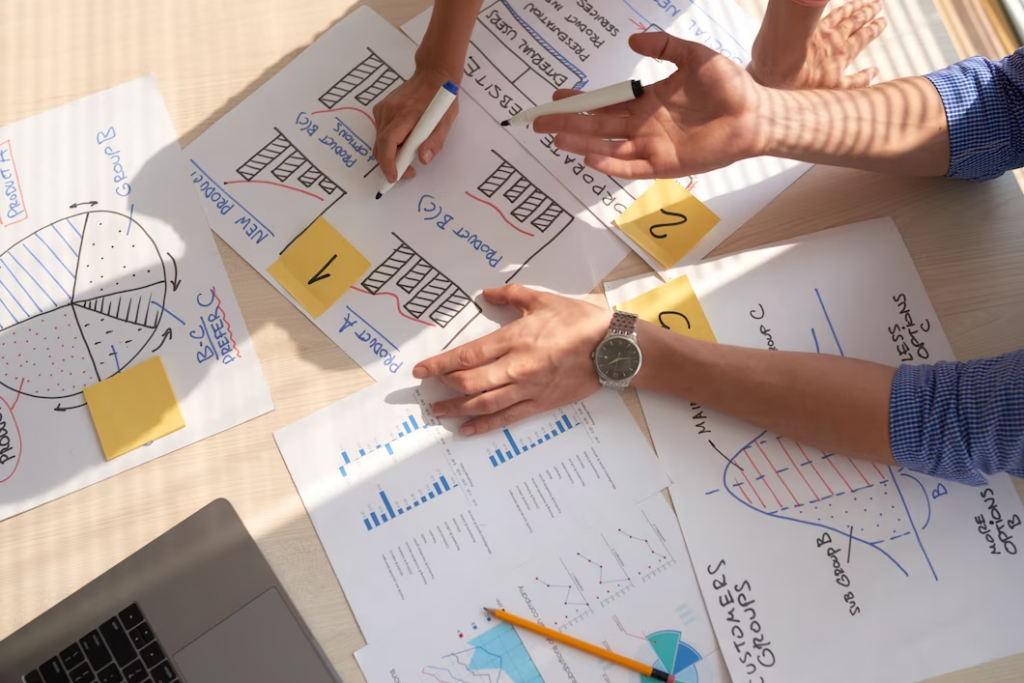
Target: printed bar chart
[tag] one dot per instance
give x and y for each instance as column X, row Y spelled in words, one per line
column 436, row 489
column 409, row 425
column 518, row 447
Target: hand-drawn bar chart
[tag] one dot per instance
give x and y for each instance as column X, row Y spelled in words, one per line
column 387, row 511
column 512, row 446
column 409, row 425
column 371, row 78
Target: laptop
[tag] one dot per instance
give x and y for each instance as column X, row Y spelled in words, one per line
column 199, row 604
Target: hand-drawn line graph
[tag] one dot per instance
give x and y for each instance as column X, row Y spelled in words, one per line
column 784, row 479
column 495, row 656
column 537, row 54
column 79, row 300
column 420, row 289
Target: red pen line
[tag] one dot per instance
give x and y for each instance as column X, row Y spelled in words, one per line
column 224, row 317
column 267, row 182
column 752, row 488
column 761, row 477
column 331, row 111
column 859, row 472
column 879, row 472
column 795, row 501
column 514, row 227
column 740, row 487
column 837, row 471
column 18, row 398
column 398, row 305
column 786, row 451
column 830, row 491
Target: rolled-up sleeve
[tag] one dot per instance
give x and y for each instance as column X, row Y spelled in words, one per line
column 960, row 421
column 984, row 103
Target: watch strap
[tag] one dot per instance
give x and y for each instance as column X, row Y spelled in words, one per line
column 623, row 323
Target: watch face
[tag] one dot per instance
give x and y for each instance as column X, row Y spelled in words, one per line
column 617, row 358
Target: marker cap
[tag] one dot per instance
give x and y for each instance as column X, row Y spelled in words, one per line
column 454, row 89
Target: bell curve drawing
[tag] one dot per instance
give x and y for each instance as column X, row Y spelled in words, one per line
column 79, row 300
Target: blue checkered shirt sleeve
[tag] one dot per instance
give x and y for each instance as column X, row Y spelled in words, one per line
column 984, row 103
column 960, row 421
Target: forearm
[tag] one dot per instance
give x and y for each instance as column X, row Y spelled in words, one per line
column 897, row 127
column 446, row 41
column 838, row 404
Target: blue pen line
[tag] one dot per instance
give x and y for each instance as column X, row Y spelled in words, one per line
column 131, row 215
column 116, row 361
column 15, row 301
column 22, row 286
column 829, row 320
column 73, row 227
column 168, row 312
column 64, row 239
column 25, row 247
column 912, row 525
column 365, row 143
column 54, row 256
column 228, row 195
column 373, row 328
column 32, row 277
column 9, row 310
column 817, row 348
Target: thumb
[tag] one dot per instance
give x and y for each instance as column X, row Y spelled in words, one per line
column 861, row 79
column 661, row 45
column 523, row 298
column 435, row 142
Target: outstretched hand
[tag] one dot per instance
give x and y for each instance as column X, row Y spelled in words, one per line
column 537, row 363
column 702, row 117
column 838, row 39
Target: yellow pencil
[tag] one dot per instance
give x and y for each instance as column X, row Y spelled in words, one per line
column 632, row 665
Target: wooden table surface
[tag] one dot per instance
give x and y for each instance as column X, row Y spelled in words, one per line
column 207, row 55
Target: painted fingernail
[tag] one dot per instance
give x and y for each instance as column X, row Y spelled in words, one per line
column 468, row 430
column 419, row 372
column 427, row 156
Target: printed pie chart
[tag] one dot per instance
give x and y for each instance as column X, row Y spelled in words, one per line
column 675, row 656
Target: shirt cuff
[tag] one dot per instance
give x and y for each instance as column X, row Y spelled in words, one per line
column 979, row 121
column 915, row 441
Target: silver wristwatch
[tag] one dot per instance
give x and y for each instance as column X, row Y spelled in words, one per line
column 617, row 358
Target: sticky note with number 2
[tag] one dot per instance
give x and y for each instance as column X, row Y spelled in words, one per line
column 674, row 306
column 318, row 267
column 667, row 221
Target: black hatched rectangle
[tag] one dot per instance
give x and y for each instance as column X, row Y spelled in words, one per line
column 259, row 161
column 412, row 279
column 494, row 181
column 548, row 215
column 450, row 308
column 428, row 296
column 374, row 90
column 352, row 80
column 287, row 168
column 529, row 205
column 519, row 186
column 380, row 275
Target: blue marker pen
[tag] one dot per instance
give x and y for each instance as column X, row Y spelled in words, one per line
column 426, row 125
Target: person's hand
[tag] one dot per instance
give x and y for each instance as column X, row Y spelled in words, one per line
column 702, row 117
column 537, row 363
column 398, row 114
column 838, row 39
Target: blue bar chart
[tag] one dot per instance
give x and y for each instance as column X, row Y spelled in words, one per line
column 409, row 425
column 386, row 510
column 516, row 444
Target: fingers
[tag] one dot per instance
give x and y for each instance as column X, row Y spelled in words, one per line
column 862, row 38
column 433, row 144
column 619, row 168
column 840, row 14
column 478, row 379
column 388, row 140
column 474, row 354
column 861, row 79
column 523, row 298
column 661, row 45
column 481, row 404
column 581, row 144
column 860, row 15
column 502, row 418
column 611, row 110
column 598, row 126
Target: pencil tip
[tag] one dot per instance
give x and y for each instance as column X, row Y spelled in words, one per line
column 489, row 610
column 379, row 195
column 504, row 123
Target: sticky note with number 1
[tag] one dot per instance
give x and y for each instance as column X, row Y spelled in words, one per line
column 318, row 267
column 674, row 306
column 667, row 221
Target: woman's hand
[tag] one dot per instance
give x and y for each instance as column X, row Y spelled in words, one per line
column 537, row 363
column 398, row 114
column 702, row 117
column 781, row 60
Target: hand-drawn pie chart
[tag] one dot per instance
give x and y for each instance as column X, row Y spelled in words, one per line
column 79, row 301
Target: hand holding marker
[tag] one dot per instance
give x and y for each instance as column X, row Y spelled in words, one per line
column 424, row 127
column 588, row 101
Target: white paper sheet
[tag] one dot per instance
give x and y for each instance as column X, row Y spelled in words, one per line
column 404, row 532
column 852, row 571
column 523, row 50
column 483, row 214
column 626, row 583
column 105, row 260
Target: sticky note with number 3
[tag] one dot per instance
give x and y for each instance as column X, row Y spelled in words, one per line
column 667, row 221
column 674, row 306
column 318, row 267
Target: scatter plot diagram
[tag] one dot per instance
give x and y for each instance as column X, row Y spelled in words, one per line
column 79, row 300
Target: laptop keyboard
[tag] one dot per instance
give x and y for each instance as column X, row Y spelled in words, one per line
column 122, row 649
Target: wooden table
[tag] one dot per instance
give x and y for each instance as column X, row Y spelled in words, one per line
column 208, row 55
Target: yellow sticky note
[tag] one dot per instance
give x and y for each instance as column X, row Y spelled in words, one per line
column 134, row 407
column 674, row 306
column 667, row 221
column 319, row 267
